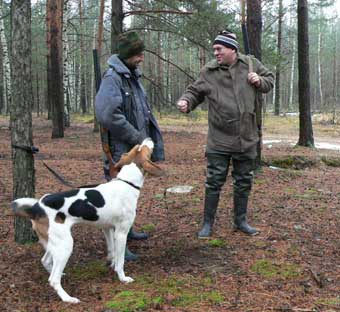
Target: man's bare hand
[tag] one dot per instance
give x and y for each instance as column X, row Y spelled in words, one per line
column 183, row 106
column 254, row 79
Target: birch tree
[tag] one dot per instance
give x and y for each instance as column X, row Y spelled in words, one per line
column 6, row 70
column 83, row 99
column 319, row 73
column 335, row 72
column 277, row 103
column 67, row 68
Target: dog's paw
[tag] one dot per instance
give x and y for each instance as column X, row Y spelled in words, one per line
column 71, row 300
column 127, row 279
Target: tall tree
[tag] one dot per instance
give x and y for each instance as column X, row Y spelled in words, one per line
column 21, row 112
column 6, row 70
column 54, row 21
column 117, row 17
column 98, row 48
column 335, row 73
column 277, row 103
column 83, row 99
column 67, row 71
column 306, row 129
column 254, row 25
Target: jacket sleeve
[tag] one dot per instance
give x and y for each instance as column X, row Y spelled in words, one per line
column 195, row 92
column 266, row 76
column 109, row 110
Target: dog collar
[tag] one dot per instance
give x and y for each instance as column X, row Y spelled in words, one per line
column 130, row 183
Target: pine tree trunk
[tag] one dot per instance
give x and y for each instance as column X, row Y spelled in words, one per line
column 54, row 17
column 21, row 112
column 98, row 46
column 116, row 23
column 306, row 129
column 254, row 25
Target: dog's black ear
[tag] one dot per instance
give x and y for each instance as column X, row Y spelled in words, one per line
column 153, row 169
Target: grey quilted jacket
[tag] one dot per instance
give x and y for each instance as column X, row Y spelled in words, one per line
column 122, row 108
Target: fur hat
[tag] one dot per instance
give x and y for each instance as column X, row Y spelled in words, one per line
column 129, row 44
column 227, row 39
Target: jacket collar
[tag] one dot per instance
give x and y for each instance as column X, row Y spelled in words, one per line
column 214, row 65
column 115, row 62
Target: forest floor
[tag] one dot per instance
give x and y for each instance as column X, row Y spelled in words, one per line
column 292, row 265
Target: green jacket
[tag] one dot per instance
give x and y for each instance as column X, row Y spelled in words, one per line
column 231, row 102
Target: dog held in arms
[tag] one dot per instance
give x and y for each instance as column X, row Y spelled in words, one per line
column 110, row 206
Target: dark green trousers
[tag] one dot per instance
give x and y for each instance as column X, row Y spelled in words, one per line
column 242, row 172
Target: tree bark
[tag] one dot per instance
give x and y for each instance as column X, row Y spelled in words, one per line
column 98, row 47
column 277, row 104
column 66, row 65
column 254, row 26
column 305, row 129
column 83, row 99
column 319, row 73
column 335, row 74
column 21, row 112
column 117, row 17
column 54, row 18
column 291, row 83
column 7, row 89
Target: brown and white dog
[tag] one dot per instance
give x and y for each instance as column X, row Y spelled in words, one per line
column 110, row 206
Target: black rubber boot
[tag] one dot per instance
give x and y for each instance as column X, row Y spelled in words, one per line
column 129, row 256
column 137, row 236
column 210, row 207
column 240, row 216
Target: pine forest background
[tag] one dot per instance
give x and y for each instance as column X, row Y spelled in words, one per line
column 178, row 37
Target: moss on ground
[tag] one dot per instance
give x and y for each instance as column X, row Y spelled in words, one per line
column 90, row 270
column 331, row 161
column 184, row 291
column 268, row 269
column 216, row 242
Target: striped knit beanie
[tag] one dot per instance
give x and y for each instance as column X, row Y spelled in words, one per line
column 129, row 44
column 227, row 39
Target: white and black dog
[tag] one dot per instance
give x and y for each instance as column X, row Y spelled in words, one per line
column 110, row 206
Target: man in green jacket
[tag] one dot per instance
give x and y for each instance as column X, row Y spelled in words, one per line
column 229, row 88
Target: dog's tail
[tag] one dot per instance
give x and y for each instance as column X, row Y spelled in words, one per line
column 28, row 207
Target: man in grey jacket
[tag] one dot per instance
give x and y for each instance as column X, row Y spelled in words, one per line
column 123, row 109
column 229, row 88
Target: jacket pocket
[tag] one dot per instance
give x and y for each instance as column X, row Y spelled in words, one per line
column 248, row 127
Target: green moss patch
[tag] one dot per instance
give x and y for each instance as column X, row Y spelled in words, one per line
column 268, row 269
column 89, row 270
column 329, row 301
column 129, row 300
column 293, row 162
column 331, row 161
column 216, row 243
column 148, row 227
column 152, row 292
